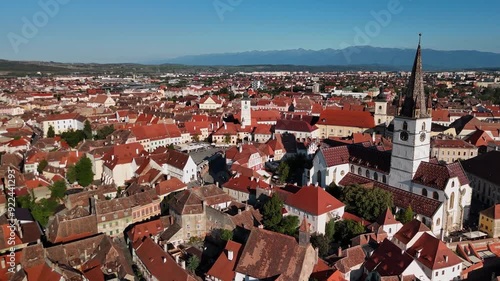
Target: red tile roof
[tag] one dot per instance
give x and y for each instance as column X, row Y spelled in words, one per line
column 437, row 175
column 335, row 155
column 223, row 268
column 433, row 253
column 388, row 259
column 313, row 200
column 171, row 185
column 360, row 119
column 159, row 263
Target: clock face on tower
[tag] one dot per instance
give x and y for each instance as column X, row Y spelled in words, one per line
column 403, row 135
column 422, row 137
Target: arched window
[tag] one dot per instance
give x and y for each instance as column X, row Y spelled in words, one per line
column 435, row 195
column 367, row 174
column 384, row 179
column 352, row 169
column 438, row 221
column 360, row 172
column 424, row 192
column 405, row 126
column 452, row 200
column 375, row 176
column 452, row 184
column 423, row 126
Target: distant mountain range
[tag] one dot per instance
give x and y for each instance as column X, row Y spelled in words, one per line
column 393, row 58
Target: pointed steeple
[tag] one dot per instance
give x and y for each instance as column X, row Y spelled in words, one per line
column 414, row 104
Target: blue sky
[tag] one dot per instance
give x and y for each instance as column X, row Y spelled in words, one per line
column 143, row 30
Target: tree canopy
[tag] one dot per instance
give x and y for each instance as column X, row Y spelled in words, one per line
column 58, row 190
column 104, row 132
column 345, row 230
column 41, row 166
column 72, row 137
column 81, row 172
column 367, row 203
column 406, row 215
column 274, row 220
column 87, row 130
column 50, row 132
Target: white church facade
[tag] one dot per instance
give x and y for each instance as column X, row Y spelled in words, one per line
column 440, row 195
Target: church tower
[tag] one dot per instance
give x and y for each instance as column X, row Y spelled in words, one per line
column 380, row 114
column 412, row 130
column 246, row 114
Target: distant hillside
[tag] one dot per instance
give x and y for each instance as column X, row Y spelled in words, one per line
column 352, row 56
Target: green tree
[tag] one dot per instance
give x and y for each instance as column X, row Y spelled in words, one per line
column 289, row 225
column 330, row 230
column 104, row 132
column 50, row 132
column 227, row 138
column 284, row 171
column 271, row 213
column 320, row 242
column 345, row 230
column 83, row 169
column 367, row 203
column 41, row 166
column 406, row 215
column 71, row 174
column 72, row 137
column 58, row 190
column 87, row 130
column 193, row 263
column 226, row 234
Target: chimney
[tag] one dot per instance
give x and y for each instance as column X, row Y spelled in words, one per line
column 230, row 255
column 177, row 259
column 239, row 211
column 156, row 239
column 225, row 126
column 373, row 137
column 165, row 247
column 3, row 263
column 112, row 157
column 240, row 148
column 137, row 151
column 169, row 176
column 417, row 255
column 339, row 252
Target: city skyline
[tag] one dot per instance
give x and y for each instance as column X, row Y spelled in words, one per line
column 101, row 31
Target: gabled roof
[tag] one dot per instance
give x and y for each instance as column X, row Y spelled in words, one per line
column 313, row 200
column 433, row 253
column 347, row 118
column 437, row 175
column 409, row 230
column 270, row 254
column 386, row 218
column 388, row 260
column 223, row 268
column 335, row 155
column 159, row 263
